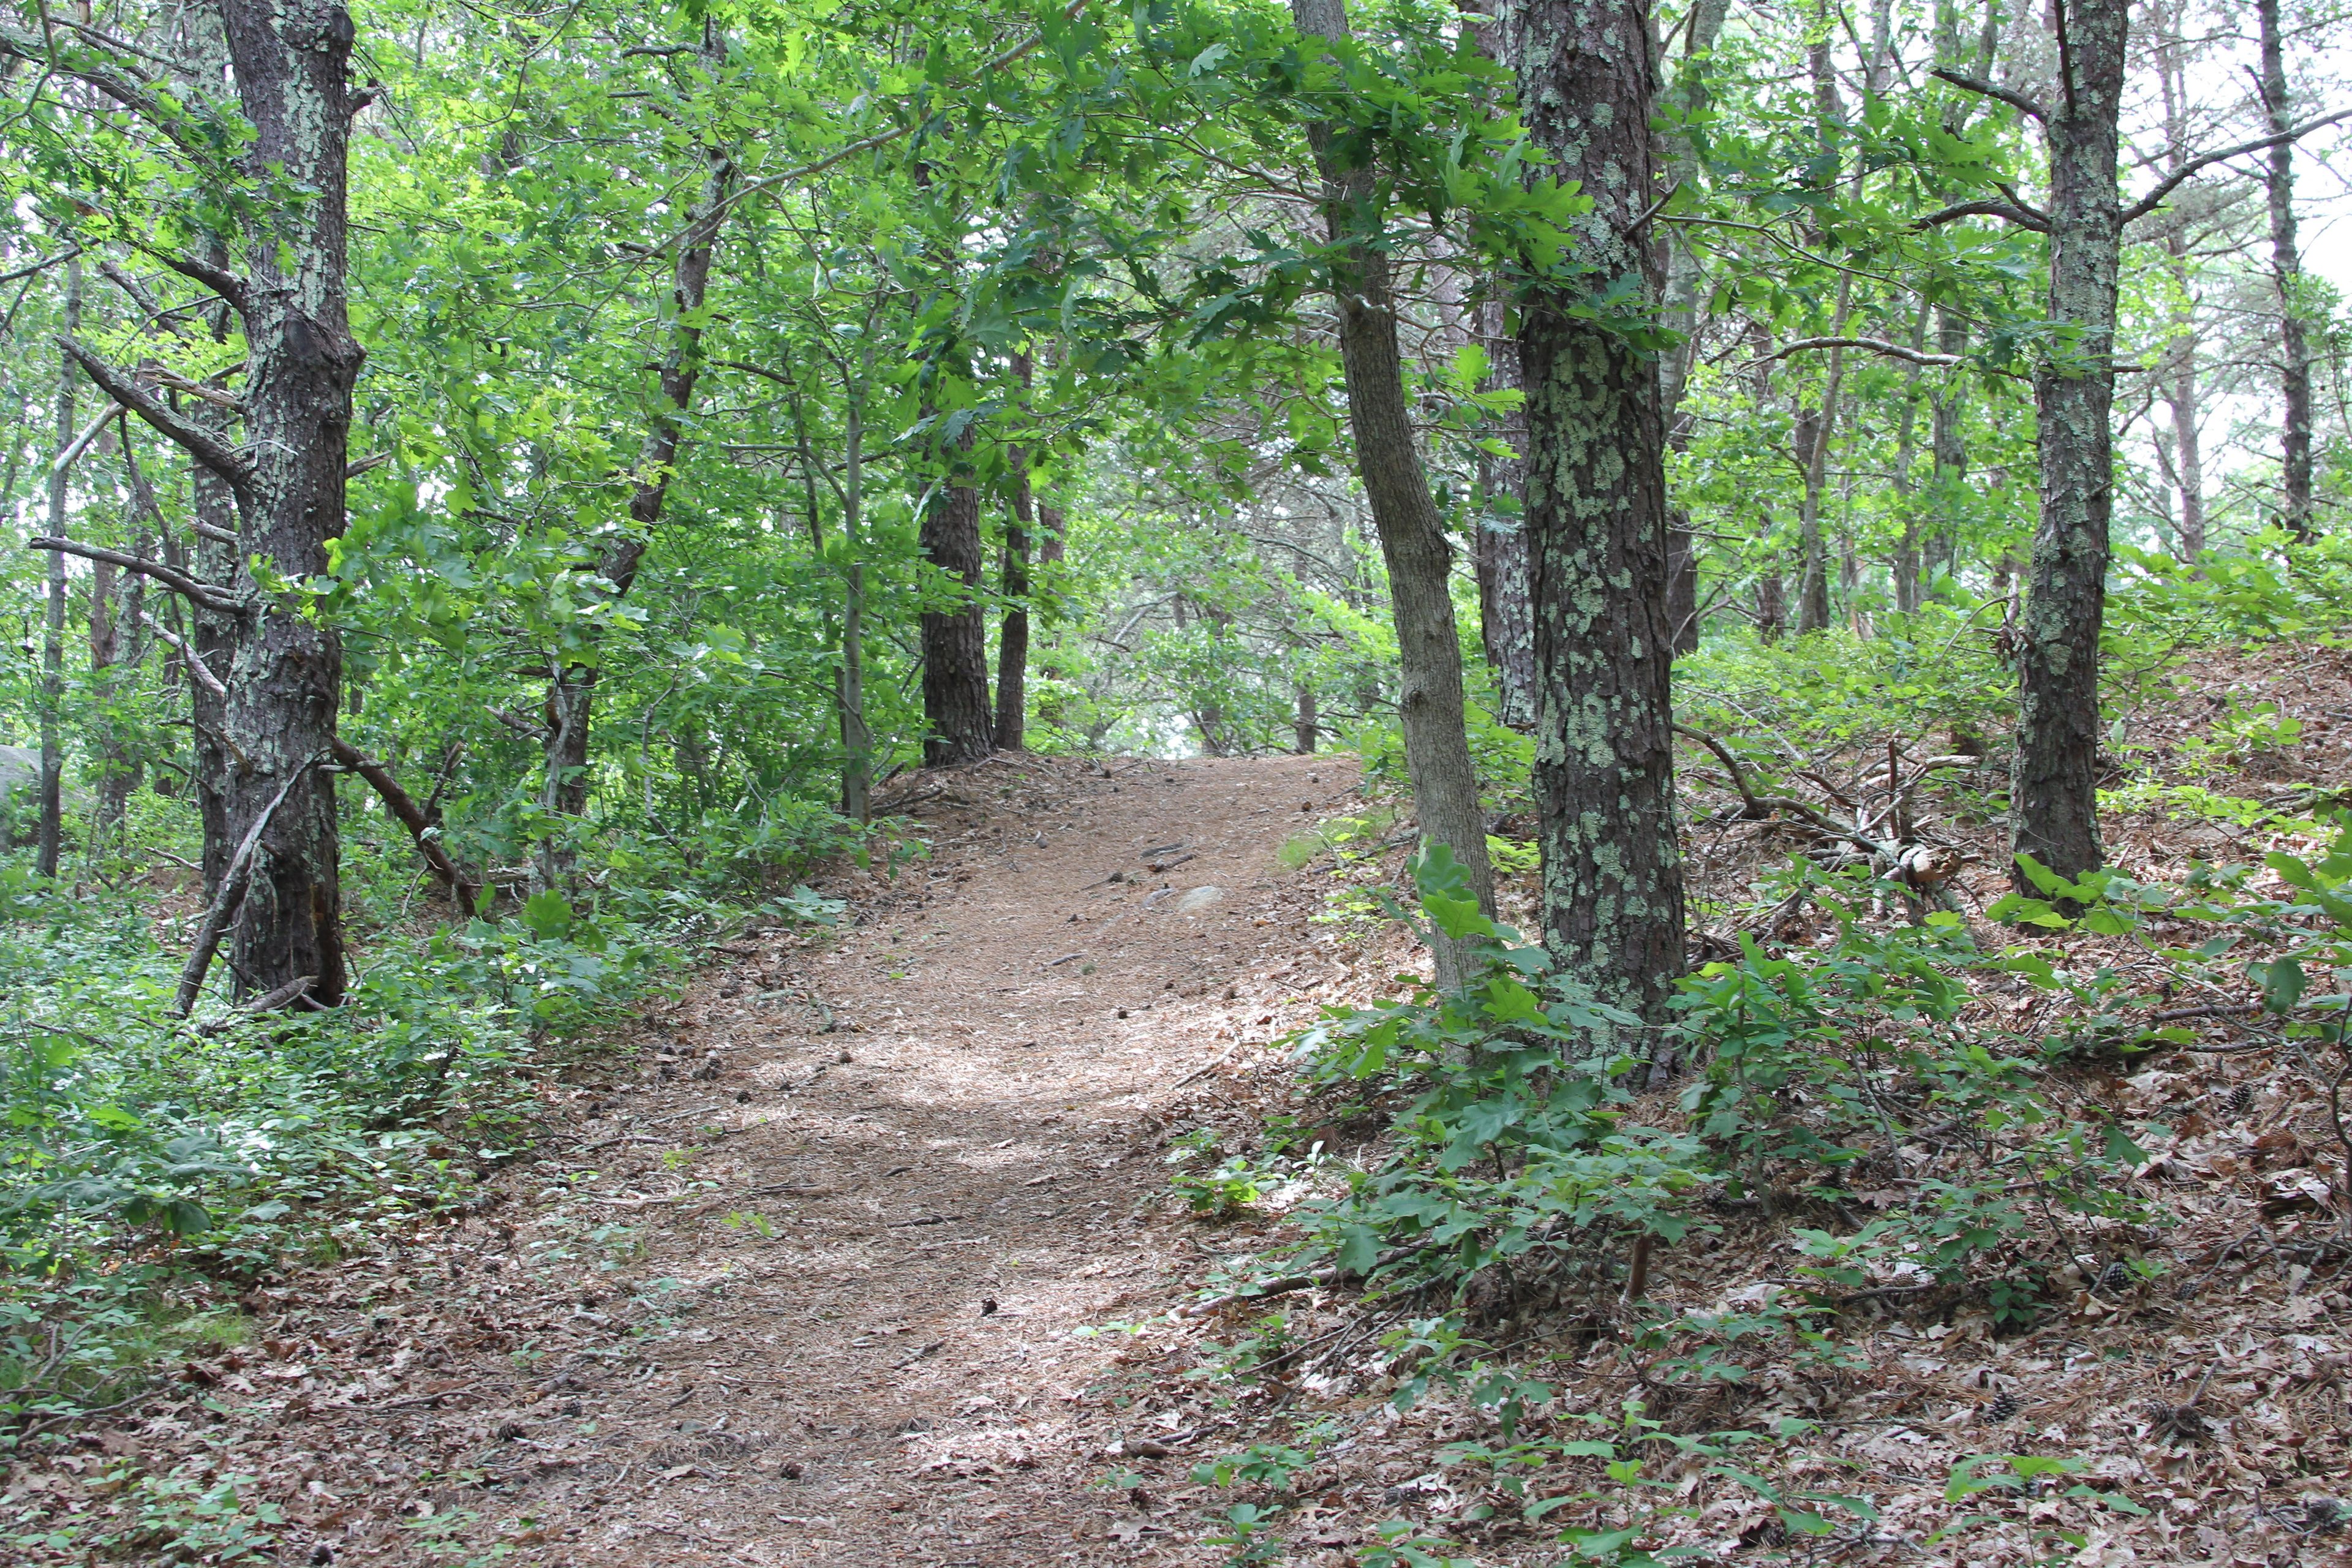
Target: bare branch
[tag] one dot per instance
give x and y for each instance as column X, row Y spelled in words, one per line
column 2170, row 182
column 1875, row 345
column 80, row 443
column 197, row 669
column 204, row 593
column 2022, row 215
column 2017, row 100
column 233, row 883
column 220, row 280
column 201, row 444
column 375, row 460
column 464, row 889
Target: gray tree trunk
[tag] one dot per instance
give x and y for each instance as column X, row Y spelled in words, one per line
column 1430, row 699
column 1679, row 161
column 2053, row 789
column 51, row 835
column 2287, row 272
column 1597, row 528
column 1506, row 627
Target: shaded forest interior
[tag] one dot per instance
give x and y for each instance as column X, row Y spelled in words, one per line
column 1649, row 703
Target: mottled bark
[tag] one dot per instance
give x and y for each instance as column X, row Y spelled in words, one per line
column 2054, row 788
column 1597, row 528
column 958, row 723
column 51, row 835
column 1430, row 699
column 2286, row 274
column 571, row 693
column 291, row 63
column 1305, row 729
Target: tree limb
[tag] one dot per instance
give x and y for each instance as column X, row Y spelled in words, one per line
column 464, row 889
column 205, row 593
column 2017, row 213
column 220, row 280
column 2017, row 100
column 201, row 444
column 1875, row 345
column 2165, row 186
column 80, row 443
column 197, row 671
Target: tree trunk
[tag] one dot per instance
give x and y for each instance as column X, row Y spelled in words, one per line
column 1012, row 632
column 117, row 603
column 51, row 836
column 1506, row 627
column 570, row 691
column 1678, row 158
column 849, row 682
column 1305, row 729
column 1613, row 885
column 1947, row 408
column 2053, row 792
column 1430, row 699
column 2287, row 272
column 958, row 723
column 1906, row 548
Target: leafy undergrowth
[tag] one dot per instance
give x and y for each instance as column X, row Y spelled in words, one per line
column 156, row 1171
column 1945, row 1224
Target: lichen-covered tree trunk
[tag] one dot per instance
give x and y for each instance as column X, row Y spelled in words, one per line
column 570, row 691
column 291, row 63
column 1430, row 699
column 959, row 726
column 1612, row 893
column 2054, row 788
column 2286, row 274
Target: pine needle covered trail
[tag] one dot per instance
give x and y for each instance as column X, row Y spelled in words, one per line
column 809, row 1292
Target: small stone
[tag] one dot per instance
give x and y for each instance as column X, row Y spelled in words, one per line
column 841, row 1058
column 988, row 1305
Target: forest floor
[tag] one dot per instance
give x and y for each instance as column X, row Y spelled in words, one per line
column 862, row 1250
column 808, row 1288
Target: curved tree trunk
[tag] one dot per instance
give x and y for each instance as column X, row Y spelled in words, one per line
column 1430, row 699
column 1597, row 531
column 2054, row 791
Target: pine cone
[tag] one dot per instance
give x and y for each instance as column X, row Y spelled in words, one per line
column 2004, row 1407
column 2115, row 1274
column 2240, row 1101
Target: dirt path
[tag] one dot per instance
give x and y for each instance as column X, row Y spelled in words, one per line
column 822, row 1307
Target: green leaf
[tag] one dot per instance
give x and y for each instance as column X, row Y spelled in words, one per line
column 2283, row 982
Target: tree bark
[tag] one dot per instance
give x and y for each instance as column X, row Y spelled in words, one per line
column 2053, row 789
column 1499, row 553
column 1430, row 699
column 1678, row 158
column 1013, row 631
column 1613, row 885
column 290, row 60
column 1305, row 729
column 2286, row 273
column 571, row 693
column 1507, row 628
column 959, row 726
column 1948, row 407
column 51, row 835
